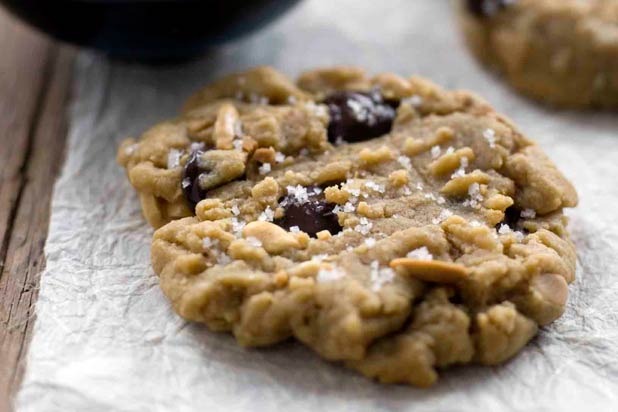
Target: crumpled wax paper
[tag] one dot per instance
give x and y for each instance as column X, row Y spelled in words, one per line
column 105, row 337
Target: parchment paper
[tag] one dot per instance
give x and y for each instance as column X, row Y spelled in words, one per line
column 105, row 338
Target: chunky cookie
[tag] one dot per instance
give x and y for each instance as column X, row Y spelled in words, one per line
column 388, row 224
column 564, row 52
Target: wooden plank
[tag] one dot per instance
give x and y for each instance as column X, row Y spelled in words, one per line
column 35, row 76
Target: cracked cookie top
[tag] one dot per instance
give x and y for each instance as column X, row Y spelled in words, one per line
column 383, row 221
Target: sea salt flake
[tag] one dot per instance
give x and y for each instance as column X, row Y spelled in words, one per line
column 422, row 253
column 419, row 186
column 444, row 214
column 267, row 215
column 490, row 136
column 223, row 259
column 195, row 146
column 405, row 162
column 435, row 152
column 441, row 200
column 370, row 242
column 237, row 226
column 253, row 241
column 374, row 186
column 319, row 257
column 209, row 242
column 235, row 210
column 504, row 229
column 294, row 229
column 326, row 275
column 279, row 157
column 237, row 143
column 265, row 168
column 407, row 191
column 364, row 226
column 519, row 236
column 173, row 158
column 450, row 150
column 186, row 182
column 299, row 193
column 528, row 213
column 380, row 276
column 348, row 207
column 475, row 223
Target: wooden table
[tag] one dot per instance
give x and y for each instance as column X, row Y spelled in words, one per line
column 35, row 79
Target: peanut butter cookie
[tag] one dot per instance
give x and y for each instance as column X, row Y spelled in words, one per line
column 564, row 52
column 384, row 222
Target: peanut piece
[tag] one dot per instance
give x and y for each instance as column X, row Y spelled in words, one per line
column 275, row 239
column 430, row 270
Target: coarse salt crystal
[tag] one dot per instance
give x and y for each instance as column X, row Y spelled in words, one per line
column 444, row 214
column 279, row 157
column 237, row 143
column 294, row 229
column 528, row 214
column 267, row 215
column 319, row 257
column 490, row 136
column 435, row 152
column 348, row 207
column 405, row 162
column 504, row 229
column 299, row 193
column 173, row 158
column 265, row 168
column 208, row 242
column 253, row 241
column 422, row 253
column 380, row 276
column 329, row 275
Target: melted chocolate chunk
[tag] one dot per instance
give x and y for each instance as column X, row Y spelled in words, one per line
column 358, row 116
column 191, row 179
column 487, row 8
column 512, row 217
column 311, row 214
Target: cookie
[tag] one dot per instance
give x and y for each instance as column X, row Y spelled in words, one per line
column 388, row 224
column 562, row 52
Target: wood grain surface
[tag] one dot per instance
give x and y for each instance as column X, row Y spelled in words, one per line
column 35, row 78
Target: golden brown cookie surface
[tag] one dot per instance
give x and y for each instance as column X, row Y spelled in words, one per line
column 382, row 221
column 563, row 52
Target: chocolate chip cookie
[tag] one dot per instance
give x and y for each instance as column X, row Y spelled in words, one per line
column 384, row 222
column 564, row 52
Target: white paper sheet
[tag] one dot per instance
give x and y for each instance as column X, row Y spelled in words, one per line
column 106, row 339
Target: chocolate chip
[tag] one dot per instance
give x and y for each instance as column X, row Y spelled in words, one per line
column 512, row 219
column 191, row 177
column 311, row 213
column 487, row 8
column 358, row 116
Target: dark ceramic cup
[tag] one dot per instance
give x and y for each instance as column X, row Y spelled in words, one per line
column 148, row 29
